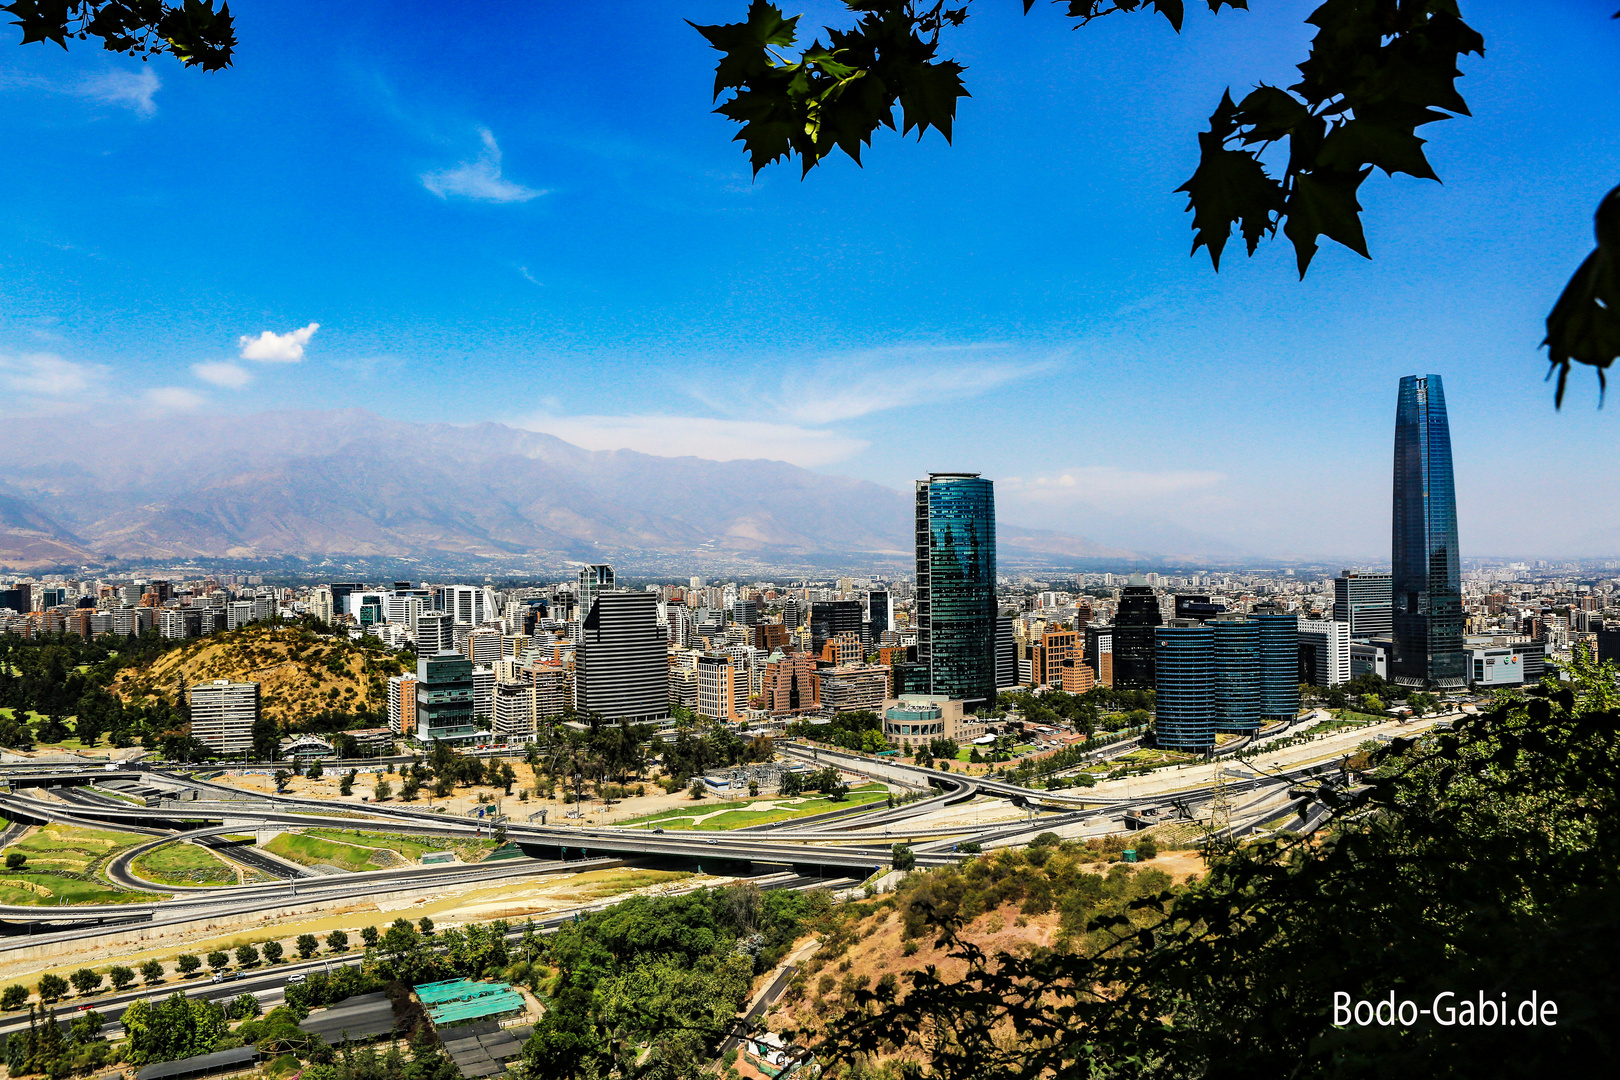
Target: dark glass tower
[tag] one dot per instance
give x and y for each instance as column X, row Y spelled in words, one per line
column 1138, row 614
column 1184, row 702
column 1279, row 661
column 956, row 584
column 1236, row 645
column 1426, row 574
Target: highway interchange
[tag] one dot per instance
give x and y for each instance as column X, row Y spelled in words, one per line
column 841, row 848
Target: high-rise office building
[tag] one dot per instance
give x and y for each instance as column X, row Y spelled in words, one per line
column 223, row 714
column 620, row 666
column 1184, row 702
column 1324, row 652
column 435, row 633
column 444, row 697
column 1235, row 644
column 593, row 579
column 1426, row 578
column 402, row 703
column 1279, row 662
column 1099, row 654
column 1134, row 623
column 1197, row 607
column 340, row 591
column 956, row 584
column 1006, row 654
column 745, row 612
column 878, row 617
column 1362, row 600
column 829, row 618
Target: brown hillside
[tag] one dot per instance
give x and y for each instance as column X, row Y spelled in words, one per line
column 300, row 672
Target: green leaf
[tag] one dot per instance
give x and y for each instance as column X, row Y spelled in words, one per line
column 1357, row 141
column 746, row 44
column 1324, row 204
column 1270, row 113
column 1584, row 325
column 1229, row 187
column 928, row 97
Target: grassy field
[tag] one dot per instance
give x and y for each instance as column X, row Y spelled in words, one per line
column 733, row 815
column 615, row 882
column 182, row 864
column 412, row 848
column 57, row 854
column 313, row 851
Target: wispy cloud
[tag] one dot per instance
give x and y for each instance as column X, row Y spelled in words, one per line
column 523, row 271
column 272, row 348
column 479, row 179
column 232, row 376
column 891, row 378
column 1108, row 484
column 132, row 90
column 46, row 375
column 700, row 436
column 174, row 398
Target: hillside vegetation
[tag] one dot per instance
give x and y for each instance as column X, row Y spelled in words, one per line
column 300, row 672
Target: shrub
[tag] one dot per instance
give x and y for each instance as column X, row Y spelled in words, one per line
column 307, row 945
column 15, row 860
column 152, row 972
column 246, row 956
column 121, row 976
column 187, row 963
column 219, row 959
column 370, row 935
column 337, row 941
column 14, row 997
column 85, row 981
column 273, row 952
column 245, row 1007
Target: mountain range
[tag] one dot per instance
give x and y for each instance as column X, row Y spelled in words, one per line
column 351, row 483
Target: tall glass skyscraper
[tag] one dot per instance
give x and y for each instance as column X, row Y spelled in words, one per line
column 956, row 584
column 1426, row 574
column 1134, row 621
column 1184, row 701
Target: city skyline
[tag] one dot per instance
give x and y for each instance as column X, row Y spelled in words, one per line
column 529, row 239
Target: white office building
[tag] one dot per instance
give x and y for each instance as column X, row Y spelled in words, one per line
column 1324, row 652
column 223, row 714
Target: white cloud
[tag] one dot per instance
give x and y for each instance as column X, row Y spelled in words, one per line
column 891, row 378
column 173, row 398
column 1107, row 484
column 132, row 90
column 700, row 436
column 46, row 375
column 480, row 178
column 272, row 348
column 233, row 376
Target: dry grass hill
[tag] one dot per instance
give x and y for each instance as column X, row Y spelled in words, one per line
column 300, row 673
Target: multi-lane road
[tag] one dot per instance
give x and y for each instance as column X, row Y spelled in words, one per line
column 844, row 844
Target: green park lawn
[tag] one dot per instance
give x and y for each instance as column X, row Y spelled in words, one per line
column 61, row 863
column 412, row 848
column 182, row 864
column 313, row 851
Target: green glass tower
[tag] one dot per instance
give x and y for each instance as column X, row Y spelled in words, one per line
column 956, row 585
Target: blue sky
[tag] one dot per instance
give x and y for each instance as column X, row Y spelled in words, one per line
column 532, row 217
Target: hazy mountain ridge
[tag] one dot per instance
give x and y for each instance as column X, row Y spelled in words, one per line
column 347, row 482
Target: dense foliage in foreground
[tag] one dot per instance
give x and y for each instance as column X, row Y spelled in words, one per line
column 1481, row 860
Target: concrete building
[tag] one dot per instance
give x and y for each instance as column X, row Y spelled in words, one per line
column 791, row 685
column 483, row 646
column 435, row 633
column 514, row 713
column 483, row 677
column 620, row 667
column 722, row 688
column 1324, row 652
column 864, row 686
column 402, row 703
column 912, row 720
column 1363, row 601
column 223, row 714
